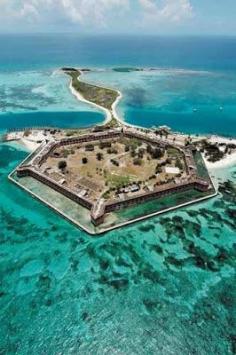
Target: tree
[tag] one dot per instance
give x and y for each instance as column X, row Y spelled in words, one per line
column 133, row 153
column 84, row 160
column 99, row 156
column 179, row 164
column 149, row 149
column 141, row 153
column 157, row 153
column 137, row 161
column 158, row 169
column 62, row 164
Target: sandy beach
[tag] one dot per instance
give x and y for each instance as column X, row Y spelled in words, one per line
column 81, row 98
column 32, row 142
column 109, row 113
column 227, row 160
column 219, row 139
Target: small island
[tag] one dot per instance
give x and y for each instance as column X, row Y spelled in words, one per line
column 107, row 176
column 101, row 97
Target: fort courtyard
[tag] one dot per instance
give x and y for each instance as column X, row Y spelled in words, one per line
column 116, row 168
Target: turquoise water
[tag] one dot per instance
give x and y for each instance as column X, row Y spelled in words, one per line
column 50, row 119
column 42, row 98
column 163, row 286
column 155, row 286
column 188, row 101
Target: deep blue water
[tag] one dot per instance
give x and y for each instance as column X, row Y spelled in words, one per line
column 207, row 82
column 40, row 51
column 201, row 122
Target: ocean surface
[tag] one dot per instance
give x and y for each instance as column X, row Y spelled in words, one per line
column 163, row 286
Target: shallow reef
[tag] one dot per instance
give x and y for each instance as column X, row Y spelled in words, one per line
column 156, row 286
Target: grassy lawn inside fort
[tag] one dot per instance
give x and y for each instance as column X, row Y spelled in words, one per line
column 107, row 169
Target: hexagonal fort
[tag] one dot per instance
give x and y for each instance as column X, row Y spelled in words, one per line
column 112, row 169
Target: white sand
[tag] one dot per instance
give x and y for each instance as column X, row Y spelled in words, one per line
column 228, row 160
column 29, row 144
column 81, row 98
column 31, row 141
column 114, row 105
column 218, row 139
column 109, row 113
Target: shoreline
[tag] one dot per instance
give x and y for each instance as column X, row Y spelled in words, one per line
column 82, row 99
column 32, row 144
column 109, row 114
column 228, row 161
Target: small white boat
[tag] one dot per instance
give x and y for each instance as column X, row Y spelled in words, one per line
column 194, row 110
column 221, row 108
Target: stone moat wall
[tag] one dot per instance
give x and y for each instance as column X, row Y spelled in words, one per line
column 55, row 186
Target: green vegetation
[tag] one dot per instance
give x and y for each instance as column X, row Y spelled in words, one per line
column 179, row 164
column 70, row 133
column 115, row 162
column 118, row 181
column 66, row 152
column 113, row 123
column 89, row 147
column 156, row 153
column 101, row 96
column 134, row 143
column 106, row 195
column 171, row 151
column 62, row 164
column 105, row 144
column 112, row 150
column 212, row 151
column 158, row 169
column 99, row 156
column 137, row 161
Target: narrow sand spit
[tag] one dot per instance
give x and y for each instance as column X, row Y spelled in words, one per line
column 109, row 113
